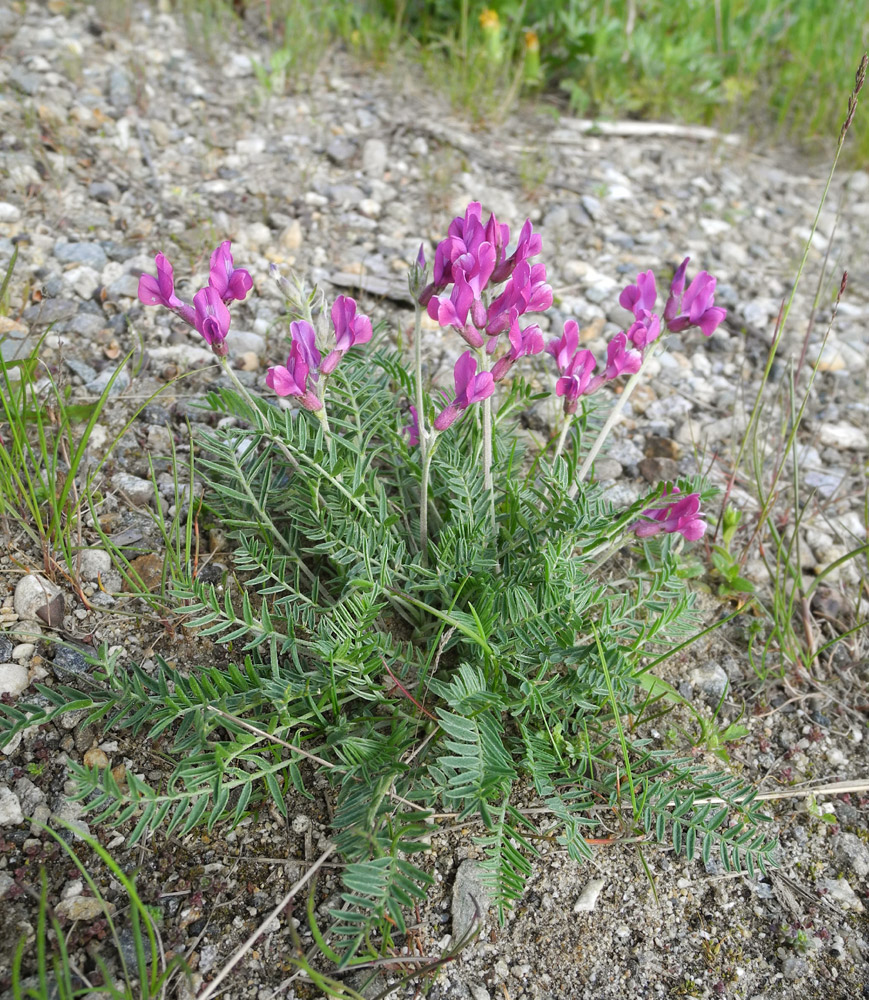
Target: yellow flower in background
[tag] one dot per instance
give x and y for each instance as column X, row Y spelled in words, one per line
column 531, row 69
column 491, row 27
column 489, row 19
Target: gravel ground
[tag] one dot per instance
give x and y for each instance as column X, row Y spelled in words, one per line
column 119, row 137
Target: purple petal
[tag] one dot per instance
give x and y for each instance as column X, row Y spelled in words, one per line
column 464, row 371
column 711, row 320
column 282, row 381
column 305, row 339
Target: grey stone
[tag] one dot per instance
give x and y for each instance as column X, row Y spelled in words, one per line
column 470, row 899
column 104, row 191
column 375, row 157
column 31, row 593
column 592, row 206
column 127, row 286
column 606, row 468
column 826, row 482
column 342, row 194
column 711, row 679
column 16, row 344
column 28, row 795
column 87, row 324
column 27, row 83
column 50, row 311
column 6, row 647
column 246, row 340
column 69, row 811
column 10, row 808
column 14, row 678
column 98, row 385
column 82, row 369
column 341, row 150
column 140, row 492
column 70, row 661
column 120, row 92
column 759, row 312
column 91, row 254
column 600, row 292
column 794, row 967
column 851, row 849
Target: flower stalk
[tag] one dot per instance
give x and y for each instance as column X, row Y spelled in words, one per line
column 611, row 420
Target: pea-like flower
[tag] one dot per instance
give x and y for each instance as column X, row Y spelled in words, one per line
column 350, row 330
column 578, row 380
column 211, row 319
column 160, row 291
column 471, row 387
column 644, row 331
column 453, row 310
column 292, row 379
column 526, row 291
column 566, row 346
column 696, row 307
column 620, row 359
column 640, row 298
column 523, row 343
column 528, row 245
column 229, row 281
column 303, row 334
column 682, row 516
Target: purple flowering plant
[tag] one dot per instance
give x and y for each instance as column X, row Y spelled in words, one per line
column 405, row 544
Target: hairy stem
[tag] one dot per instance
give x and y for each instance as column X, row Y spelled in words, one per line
column 423, row 502
column 562, row 439
column 487, row 442
column 611, row 420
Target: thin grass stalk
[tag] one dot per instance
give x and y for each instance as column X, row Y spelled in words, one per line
column 783, row 315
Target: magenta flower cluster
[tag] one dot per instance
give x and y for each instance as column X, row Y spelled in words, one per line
column 470, row 265
column 305, row 363
column 473, row 259
column 694, row 307
column 209, row 314
column 682, row 516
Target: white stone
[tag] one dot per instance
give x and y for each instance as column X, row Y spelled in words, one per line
column 257, row 235
column 13, row 678
column 33, row 592
column 588, row 897
column 250, row 147
column 83, row 908
column 84, row 281
column 9, row 212
column 370, row 208
column 10, row 808
column 843, row 435
column 840, row 891
column 94, row 562
column 72, row 888
column 23, row 651
column 714, row 227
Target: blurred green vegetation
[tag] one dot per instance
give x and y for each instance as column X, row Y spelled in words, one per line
column 783, row 68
